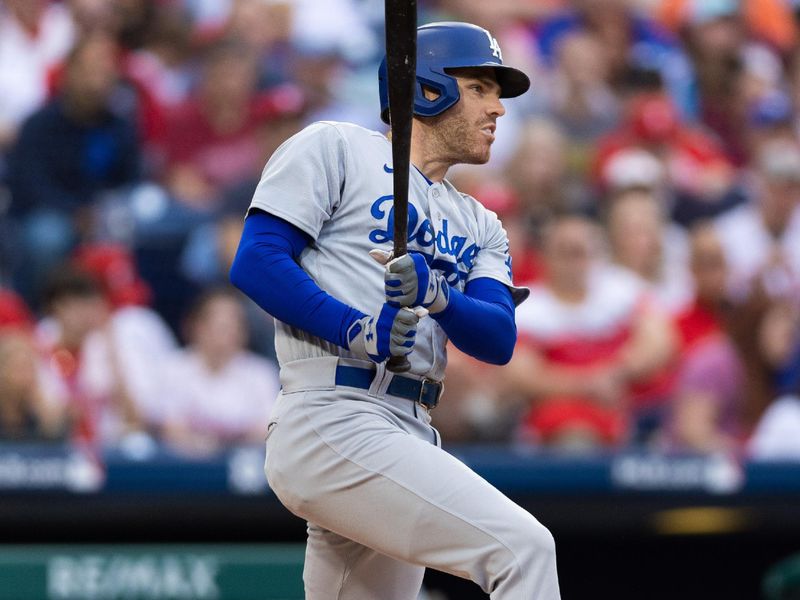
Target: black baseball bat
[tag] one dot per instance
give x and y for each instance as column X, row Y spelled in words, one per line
column 401, row 63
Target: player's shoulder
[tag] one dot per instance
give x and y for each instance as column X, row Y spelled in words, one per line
column 342, row 129
column 468, row 202
column 473, row 206
column 336, row 138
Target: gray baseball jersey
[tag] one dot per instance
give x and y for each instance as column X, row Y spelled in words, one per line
column 334, row 182
column 363, row 467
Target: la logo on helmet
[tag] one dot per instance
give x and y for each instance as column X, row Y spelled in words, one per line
column 494, row 46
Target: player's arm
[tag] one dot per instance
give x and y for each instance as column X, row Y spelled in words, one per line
column 266, row 269
column 479, row 321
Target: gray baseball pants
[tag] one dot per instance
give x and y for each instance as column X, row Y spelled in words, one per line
column 383, row 500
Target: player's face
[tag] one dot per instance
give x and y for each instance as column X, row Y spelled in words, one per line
column 465, row 132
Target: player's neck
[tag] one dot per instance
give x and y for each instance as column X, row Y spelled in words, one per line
column 426, row 154
column 432, row 166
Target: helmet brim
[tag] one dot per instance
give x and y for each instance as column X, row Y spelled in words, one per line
column 513, row 82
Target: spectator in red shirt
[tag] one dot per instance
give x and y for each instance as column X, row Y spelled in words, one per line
column 213, row 140
column 587, row 334
column 645, row 244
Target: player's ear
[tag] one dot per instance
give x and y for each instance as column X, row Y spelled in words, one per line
column 430, row 93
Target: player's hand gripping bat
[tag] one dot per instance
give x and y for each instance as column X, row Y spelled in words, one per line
column 401, row 62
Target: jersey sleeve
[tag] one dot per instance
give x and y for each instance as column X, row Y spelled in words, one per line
column 493, row 259
column 303, row 180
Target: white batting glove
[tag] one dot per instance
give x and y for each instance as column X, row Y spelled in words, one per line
column 391, row 333
column 409, row 281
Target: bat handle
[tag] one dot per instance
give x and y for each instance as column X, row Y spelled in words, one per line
column 398, row 364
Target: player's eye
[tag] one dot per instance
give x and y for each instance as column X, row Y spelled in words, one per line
column 477, row 87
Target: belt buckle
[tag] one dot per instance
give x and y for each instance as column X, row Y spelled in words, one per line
column 424, row 383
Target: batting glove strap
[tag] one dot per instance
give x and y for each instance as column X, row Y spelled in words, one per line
column 391, row 333
column 409, row 281
column 438, row 295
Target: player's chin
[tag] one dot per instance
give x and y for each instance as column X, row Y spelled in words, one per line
column 479, row 158
column 477, row 154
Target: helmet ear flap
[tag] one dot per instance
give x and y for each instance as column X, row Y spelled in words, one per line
column 446, row 88
column 443, row 85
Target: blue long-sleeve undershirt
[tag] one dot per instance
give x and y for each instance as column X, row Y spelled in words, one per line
column 266, row 269
column 480, row 321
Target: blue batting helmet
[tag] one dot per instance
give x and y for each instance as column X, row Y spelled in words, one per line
column 451, row 45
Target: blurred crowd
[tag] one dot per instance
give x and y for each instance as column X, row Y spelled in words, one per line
column 649, row 184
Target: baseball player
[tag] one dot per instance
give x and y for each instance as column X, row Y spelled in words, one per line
column 350, row 446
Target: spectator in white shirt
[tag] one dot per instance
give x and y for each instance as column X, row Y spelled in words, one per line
column 122, row 355
column 216, row 393
column 762, row 238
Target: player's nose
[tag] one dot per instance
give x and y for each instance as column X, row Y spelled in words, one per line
column 496, row 107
